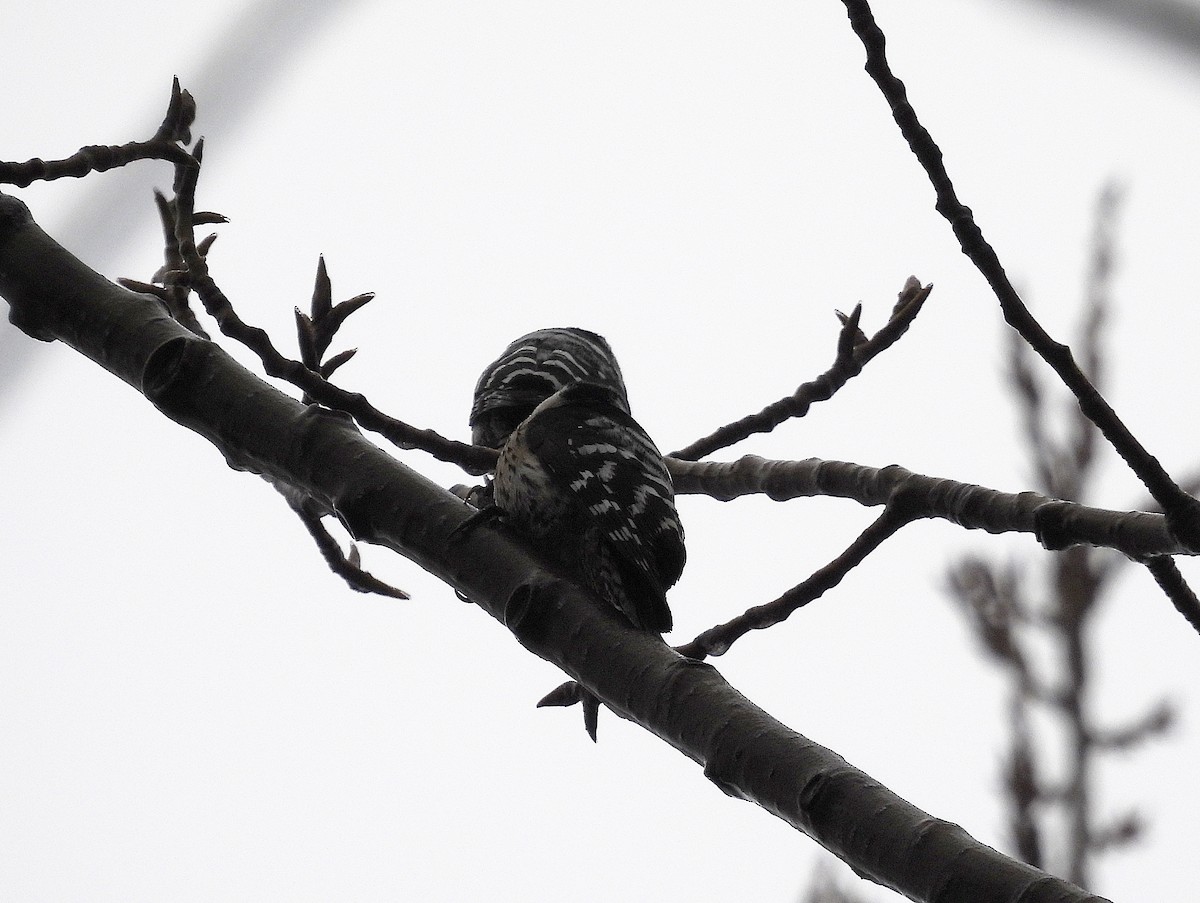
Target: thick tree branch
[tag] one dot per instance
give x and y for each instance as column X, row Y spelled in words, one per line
column 743, row 750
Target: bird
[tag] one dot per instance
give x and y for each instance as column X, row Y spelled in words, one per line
column 531, row 369
column 582, row 480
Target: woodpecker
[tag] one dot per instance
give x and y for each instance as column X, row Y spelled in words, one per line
column 584, row 482
column 533, row 368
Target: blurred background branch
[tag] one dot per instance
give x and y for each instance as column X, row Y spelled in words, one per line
column 1172, row 22
column 1016, row 622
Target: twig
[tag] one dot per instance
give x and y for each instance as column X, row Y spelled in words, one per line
column 1157, row 721
column 316, row 330
column 1182, row 510
column 168, row 144
column 170, row 284
column 471, row 458
column 1119, row 832
column 717, row 640
column 854, row 350
column 165, row 145
column 1166, row 575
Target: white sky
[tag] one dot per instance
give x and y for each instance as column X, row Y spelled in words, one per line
column 193, row 708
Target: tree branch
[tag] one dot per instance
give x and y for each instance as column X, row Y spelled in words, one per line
column 313, row 384
column 1182, row 510
column 717, row 640
column 742, row 749
column 854, row 351
column 1056, row 524
column 164, row 145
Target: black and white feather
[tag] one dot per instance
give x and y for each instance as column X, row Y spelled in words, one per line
column 533, row 368
column 585, row 483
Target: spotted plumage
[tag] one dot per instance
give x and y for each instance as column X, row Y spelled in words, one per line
column 533, row 368
column 582, row 479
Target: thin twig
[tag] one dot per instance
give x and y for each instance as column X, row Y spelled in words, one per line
column 854, row 350
column 170, row 283
column 717, row 640
column 174, row 131
column 1155, row 722
column 316, row 330
column 1166, row 575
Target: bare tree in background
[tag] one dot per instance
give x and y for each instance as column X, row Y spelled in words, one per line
column 1014, row 619
column 1175, row 23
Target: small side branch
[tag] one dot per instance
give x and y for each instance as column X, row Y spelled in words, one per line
column 717, row 640
column 165, row 145
column 1166, row 575
column 1156, row 722
column 315, row 330
column 170, row 284
column 854, row 350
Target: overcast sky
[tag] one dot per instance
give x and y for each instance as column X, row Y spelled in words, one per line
column 193, row 708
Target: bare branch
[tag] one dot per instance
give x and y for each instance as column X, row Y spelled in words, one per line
column 743, row 750
column 165, row 145
column 1121, row 832
column 854, row 350
column 1156, row 722
column 717, row 640
column 472, row 459
column 1056, row 524
column 1182, row 510
column 1166, row 575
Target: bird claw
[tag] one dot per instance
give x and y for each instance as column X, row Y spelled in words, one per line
column 572, row 692
column 490, row 514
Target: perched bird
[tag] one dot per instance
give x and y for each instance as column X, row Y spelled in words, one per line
column 585, row 483
column 533, row 368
